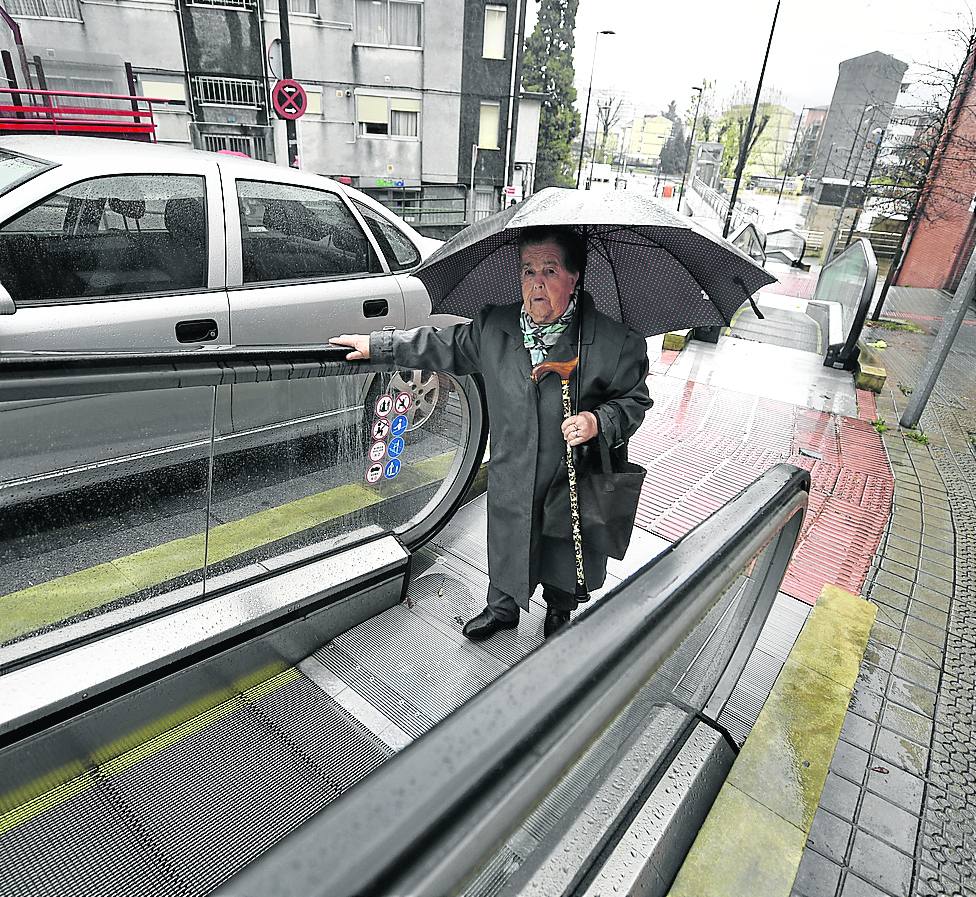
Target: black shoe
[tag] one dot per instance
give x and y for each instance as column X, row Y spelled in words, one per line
column 485, row 624
column 555, row 620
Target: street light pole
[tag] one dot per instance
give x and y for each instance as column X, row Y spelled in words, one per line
column 747, row 137
column 847, row 189
column 786, row 167
column 586, row 115
column 691, row 141
column 867, row 185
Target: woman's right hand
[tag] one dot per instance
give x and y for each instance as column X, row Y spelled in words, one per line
column 358, row 342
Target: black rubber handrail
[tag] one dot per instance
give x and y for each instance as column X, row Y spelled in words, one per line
column 428, row 818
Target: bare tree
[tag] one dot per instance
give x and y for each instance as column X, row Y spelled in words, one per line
column 607, row 117
column 732, row 127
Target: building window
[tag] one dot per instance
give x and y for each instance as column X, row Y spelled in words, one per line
column 488, row 129
column 46, row 9
column 389, row 23
column 388, row 116
column 296, row 7
column 225, row 91
column 493, row 46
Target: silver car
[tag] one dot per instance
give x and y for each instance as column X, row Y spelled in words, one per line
column 108, row 244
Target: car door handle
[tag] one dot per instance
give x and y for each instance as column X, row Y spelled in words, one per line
column 376, row 308
column 201, row 331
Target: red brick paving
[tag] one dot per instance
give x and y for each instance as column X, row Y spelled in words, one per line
column 702, row 445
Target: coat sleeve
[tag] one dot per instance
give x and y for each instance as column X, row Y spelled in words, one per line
column 454, row 350
column 627, row 400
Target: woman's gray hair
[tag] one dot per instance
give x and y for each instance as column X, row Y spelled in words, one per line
column 568, row 240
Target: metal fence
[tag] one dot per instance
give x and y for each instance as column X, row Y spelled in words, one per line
column 46, row 9
column 226, row 91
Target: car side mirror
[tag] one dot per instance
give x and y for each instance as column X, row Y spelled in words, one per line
column 7, row 304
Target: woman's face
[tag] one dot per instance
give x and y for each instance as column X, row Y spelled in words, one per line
column 546, row 284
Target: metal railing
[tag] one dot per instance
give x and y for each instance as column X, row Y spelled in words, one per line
column 427, row 820
column 845, row 287
column 71, row 112
column 46, row 9
column 787, row 245
column 226, row 91
column 719, row 204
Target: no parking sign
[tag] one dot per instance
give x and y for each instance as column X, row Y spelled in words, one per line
column 289, row 99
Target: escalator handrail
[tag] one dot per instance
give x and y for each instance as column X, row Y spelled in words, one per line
column 426, row 820
column 842, row 348
column 39, row 375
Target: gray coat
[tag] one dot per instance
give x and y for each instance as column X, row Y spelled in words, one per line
column 526, row 441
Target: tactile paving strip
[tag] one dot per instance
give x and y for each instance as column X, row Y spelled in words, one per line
column 702, row 445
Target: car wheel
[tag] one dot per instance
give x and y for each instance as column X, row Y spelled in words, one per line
column 425, row 389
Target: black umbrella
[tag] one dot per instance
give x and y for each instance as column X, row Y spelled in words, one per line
column 646, row 266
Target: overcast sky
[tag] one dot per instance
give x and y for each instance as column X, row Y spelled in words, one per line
column 663, row 48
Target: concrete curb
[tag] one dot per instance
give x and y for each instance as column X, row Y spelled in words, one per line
column 753, row 838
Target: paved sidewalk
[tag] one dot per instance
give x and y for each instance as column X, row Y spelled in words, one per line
column 898, row 813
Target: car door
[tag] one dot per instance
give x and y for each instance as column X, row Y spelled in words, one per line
column 301, row 268
column 114, row 261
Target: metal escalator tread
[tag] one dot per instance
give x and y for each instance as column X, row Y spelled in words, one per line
column 790, row 329
column 186, row 811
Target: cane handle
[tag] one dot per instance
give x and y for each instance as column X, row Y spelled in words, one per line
column 562, row 368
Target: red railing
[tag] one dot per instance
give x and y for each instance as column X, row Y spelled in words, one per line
column 45, row 112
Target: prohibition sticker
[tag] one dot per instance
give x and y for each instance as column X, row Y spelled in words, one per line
column 381, row 429
column 399, row 425
column 402, row 403
column 377, row 451
column 392, row 468
column 396, row 448
column 384, row 405
column 374, row 473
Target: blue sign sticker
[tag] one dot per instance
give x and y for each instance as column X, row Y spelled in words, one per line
column 399, row 425
column 396, row 447
column 392, row 468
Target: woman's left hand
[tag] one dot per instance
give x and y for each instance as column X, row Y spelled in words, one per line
column 580, row 428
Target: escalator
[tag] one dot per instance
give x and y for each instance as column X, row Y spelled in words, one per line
column 301, row 714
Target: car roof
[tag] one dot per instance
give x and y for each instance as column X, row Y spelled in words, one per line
column 77, row 151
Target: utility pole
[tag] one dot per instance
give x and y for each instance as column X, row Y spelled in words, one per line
column 691, row 141
column 586, row 115
column 867, row 185
column 943, row 343
column 847, row 189
column 291, row 127
column 747, row 137
column 516, row 91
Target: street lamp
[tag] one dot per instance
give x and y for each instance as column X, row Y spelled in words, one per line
column 691, row 141
column 867, row 184
column 847, row 189
column 586, row 115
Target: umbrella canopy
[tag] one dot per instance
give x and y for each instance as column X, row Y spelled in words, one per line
column 648, row 267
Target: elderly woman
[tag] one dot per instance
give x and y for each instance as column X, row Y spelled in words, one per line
column 528, row 433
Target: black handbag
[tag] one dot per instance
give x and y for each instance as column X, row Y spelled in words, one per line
column 608, row 489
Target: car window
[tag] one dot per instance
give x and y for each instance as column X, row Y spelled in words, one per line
column 105, row 237
column 396, row 246
column 297, row 233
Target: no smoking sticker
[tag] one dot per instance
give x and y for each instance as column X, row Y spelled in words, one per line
column 377, row 451
column 402, row 403
column 374, row 473
column 384, row 405
column 381, row 429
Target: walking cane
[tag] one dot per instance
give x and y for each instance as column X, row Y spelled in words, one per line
column 565, row 369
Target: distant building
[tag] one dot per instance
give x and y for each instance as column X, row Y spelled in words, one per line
column 866, row 91
column 945, row 233
column 808, row 142
column 772, row 146
column 646, row 139
column 403, row 95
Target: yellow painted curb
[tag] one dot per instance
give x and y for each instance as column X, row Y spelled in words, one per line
column 753, row 838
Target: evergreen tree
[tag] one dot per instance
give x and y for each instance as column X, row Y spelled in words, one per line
column 676, row 148
column 547, row 68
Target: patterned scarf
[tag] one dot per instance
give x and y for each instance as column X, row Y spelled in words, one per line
column 540, row 338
